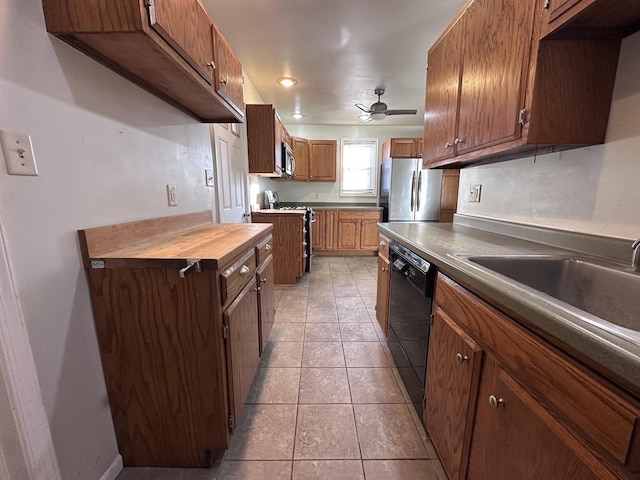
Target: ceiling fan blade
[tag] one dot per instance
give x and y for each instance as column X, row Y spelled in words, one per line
column 363, row 108
column 401, row 112
column 366, row 120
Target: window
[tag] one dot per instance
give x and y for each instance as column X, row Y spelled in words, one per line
column 359, row 171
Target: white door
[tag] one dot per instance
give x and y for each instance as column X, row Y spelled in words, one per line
column 231, row 171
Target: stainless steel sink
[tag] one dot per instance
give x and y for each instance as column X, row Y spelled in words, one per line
column 608, row 293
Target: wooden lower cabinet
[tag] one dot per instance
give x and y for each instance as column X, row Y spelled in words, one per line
column 383, row 293
column 178, row 338
column 501, row 402
column 318, row 230
column 288, row 243
column 266, row 315
column 241, row 341
column 515, row 437
column 350, row 231
column 451, row 389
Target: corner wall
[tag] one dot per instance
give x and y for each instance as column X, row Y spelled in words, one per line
column 105, row 150
column 591, row 190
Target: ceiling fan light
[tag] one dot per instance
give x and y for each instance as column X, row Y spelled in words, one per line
column 287, row 82
column 378, row 115
column 364, row 116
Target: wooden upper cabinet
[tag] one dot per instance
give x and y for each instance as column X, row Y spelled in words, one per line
column 406, row 148
column 516, row 94
column 264, row 140
column 441, row 97
column 165, row 46
column 184, row 25
column 300, row 147
column 228, row 73
column 586, row 17
column 494, row 76
column 322, row 160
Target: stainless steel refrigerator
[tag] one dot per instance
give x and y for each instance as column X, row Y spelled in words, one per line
column 408, row 192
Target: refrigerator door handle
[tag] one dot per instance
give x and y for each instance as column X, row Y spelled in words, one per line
column 419, row 191
column 413, row 185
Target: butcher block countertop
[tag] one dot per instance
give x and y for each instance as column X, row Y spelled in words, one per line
column 169, row 241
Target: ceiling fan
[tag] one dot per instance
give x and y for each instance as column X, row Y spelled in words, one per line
column 379, row 111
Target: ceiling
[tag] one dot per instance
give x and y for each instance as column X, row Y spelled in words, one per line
column 337, row 50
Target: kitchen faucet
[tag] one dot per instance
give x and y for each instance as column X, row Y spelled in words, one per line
column 635, row 257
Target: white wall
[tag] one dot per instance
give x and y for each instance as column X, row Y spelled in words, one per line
column 592, row 190
column 330, row 192
column 105, row 150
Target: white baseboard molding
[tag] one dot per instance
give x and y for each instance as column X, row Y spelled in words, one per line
column 114, row 469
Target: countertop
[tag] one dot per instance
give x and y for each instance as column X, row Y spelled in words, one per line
column 616, row 358
column 333, row 206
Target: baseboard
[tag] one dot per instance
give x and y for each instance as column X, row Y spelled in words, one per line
column 114, row 469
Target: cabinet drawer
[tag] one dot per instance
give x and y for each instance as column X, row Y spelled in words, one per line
column 264, row 249
column 585, row 402
column 235, row 277
column 383, row 246
column 358, row 215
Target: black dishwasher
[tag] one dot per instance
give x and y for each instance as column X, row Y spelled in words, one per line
column 412, row 283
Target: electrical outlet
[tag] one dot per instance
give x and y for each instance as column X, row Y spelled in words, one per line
column 474, row 193
column 18, row 153
column 172, row 195
column 208, row 175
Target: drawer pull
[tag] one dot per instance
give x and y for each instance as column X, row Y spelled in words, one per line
column 257, row 289
column 495, row 402
column 264, row 280
column 384, row 269
column 383, row 243
column 244, row 270
column 461, row 358
column 267, row 247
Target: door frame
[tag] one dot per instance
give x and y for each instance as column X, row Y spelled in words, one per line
column 22, row 410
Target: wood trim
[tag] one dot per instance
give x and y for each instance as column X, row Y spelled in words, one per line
column 22, row 414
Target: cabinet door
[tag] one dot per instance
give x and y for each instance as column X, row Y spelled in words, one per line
column 263, row 143
column 300, row 147
column 516, row 437
column 419, row 147
column 187, row 27
column 318, row 230
column 369, row 234
column 403, row 147
column 242, row 346
column 348, row 234
column 264, row 278
column 495, row 67
column 228, row 73
column 383, row 293
column 330, row 229
column 322, row 160
column 451, row 387
column 441, row 98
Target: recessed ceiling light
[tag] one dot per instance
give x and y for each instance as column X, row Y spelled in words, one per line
column 287, row 81
column 297, row 115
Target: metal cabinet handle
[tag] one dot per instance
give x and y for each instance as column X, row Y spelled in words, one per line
column 447, row 145
column 461, row 358
column 264, row 280
column 257, row 289
column 244, row 269
column 383, row 243
column 495, row 402
column 192, row 266
column 458, row 141
column 211, row 64
column 224, row 82
column 267, row 247
column 384, row 269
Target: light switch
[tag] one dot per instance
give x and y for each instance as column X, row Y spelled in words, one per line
column 474, row 193
column 18, row 153
column 208, row 175
column 172, row 195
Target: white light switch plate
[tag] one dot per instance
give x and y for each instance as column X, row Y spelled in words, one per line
column 18, row 153
column 474, row 193
column 172, row 195
column 208, row 175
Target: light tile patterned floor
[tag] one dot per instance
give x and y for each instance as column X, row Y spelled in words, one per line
column 326, row 403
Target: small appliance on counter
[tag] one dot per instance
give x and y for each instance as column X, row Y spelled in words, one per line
column 271, row 199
